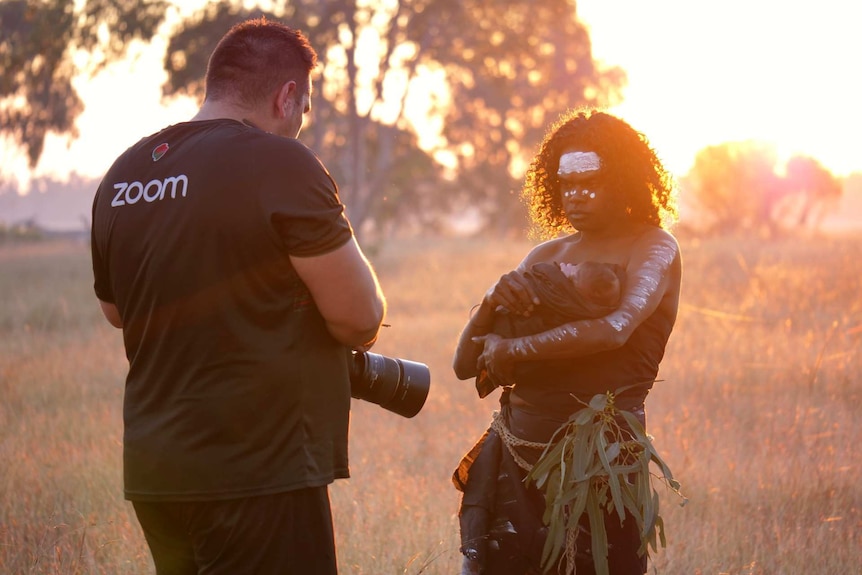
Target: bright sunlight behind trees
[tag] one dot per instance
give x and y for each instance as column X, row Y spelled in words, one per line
column 739, row 187
column 44, row 45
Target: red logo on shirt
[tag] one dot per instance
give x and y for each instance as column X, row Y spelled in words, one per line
column 160, row 151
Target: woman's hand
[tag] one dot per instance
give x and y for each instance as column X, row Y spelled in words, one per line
column 495, row 359
column 513, row 292
column 476, row 349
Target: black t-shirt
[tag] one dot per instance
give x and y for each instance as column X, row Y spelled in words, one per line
column 235, row 386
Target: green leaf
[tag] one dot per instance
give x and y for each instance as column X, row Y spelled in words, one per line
column 546, row 462
column 598, row 536
column 553, row 487
column 659, row 523
column 540, row 480
column 578, row 503
column 613, row 451
column 650, row 516
column 584, row 416
column 554, row 544
column 635, row 425
column 613, row 481
column 630, row 501
column 599, row 402
column 599, row 466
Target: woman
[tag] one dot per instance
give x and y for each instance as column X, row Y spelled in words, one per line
column 598, row 180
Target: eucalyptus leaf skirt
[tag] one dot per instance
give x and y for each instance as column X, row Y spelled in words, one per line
column 501, row 517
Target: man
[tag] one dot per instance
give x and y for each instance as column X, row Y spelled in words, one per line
column 221, row 249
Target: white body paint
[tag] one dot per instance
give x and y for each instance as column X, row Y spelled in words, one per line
column 578, row 163
column 642, row 285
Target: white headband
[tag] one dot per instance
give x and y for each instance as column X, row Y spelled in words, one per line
column 579, row 162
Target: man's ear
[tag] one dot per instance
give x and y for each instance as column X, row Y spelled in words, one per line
column 285, row 98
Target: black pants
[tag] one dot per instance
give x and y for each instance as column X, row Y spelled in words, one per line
column 282, row 534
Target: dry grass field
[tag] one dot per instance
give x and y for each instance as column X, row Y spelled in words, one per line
column 757, row 413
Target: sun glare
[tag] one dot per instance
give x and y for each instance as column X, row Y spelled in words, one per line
column 704, row 74
column 698, row 75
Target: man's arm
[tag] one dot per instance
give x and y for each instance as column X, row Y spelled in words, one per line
column 112, row 314
column 347, row 293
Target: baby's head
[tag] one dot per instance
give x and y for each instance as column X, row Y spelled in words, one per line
column 597, row 282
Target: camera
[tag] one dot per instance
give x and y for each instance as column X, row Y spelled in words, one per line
column 398, row 385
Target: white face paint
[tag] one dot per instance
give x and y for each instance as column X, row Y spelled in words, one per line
column 578, row 163
column 583, row 193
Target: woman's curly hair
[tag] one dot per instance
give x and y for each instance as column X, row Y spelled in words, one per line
column 632, row 171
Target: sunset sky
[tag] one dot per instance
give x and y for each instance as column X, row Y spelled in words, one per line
column 704, row 73
column 700, row 74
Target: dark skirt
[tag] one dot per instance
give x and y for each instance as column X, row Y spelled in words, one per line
column 501, row 516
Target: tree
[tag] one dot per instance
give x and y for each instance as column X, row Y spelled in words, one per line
column 810, row 191
column 512, row 67
column 491, row 74
column 501, row 70
column 737, row 187
column 40, row 47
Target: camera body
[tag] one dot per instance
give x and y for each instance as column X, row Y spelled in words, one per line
column 398, row 385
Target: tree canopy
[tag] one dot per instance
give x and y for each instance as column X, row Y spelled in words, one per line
column 740, row 186
column 475, row 82
column 41, row 44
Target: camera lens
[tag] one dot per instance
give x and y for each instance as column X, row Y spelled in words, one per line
column 398, row 385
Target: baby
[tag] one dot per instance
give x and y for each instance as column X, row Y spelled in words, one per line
column 568, row 292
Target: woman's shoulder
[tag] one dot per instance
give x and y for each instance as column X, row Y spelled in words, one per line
column 548, row 251
column 656, row 247
column 656, row 236
column 660, row 232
